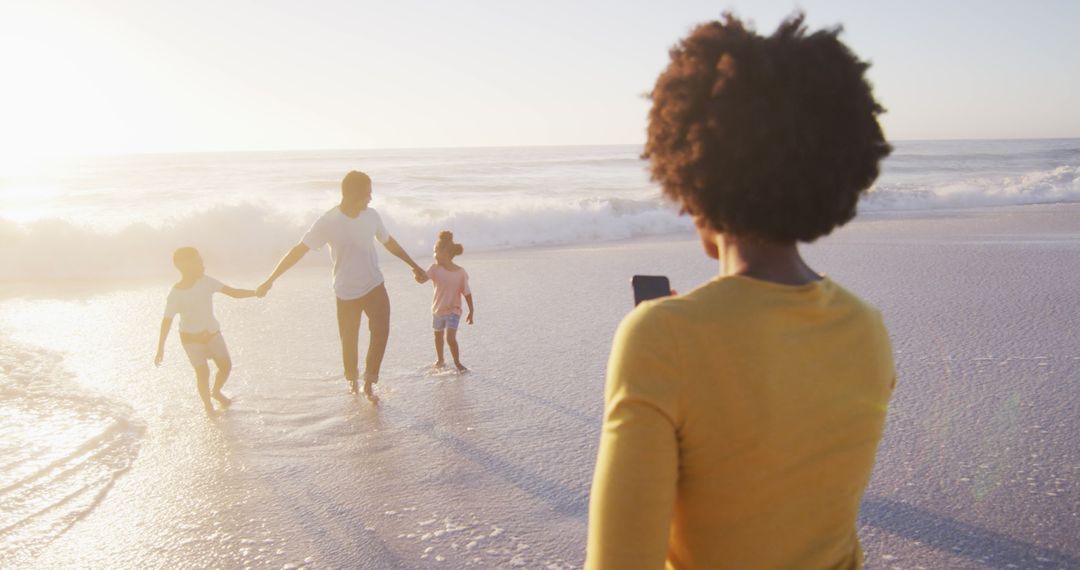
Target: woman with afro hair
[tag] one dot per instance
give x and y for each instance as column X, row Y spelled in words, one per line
column 741, row 419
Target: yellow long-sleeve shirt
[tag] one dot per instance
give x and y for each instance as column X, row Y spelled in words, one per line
column 740, row 426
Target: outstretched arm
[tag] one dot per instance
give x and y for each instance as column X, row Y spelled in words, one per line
column 166, row 325
column 418, row 272
column 238, row 293
column 295, row 255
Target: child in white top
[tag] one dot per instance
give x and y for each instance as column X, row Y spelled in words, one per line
column 200, row 333
column 451, row 282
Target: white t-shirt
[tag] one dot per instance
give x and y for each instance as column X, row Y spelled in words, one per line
column 195, row 306
column 352, row 249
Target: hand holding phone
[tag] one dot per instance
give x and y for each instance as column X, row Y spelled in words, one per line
column 649, row 287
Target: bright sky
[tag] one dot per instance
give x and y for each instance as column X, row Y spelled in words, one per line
column 202, row 75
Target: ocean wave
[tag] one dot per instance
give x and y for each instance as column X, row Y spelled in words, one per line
column 526, row 223
column 931, row 159
column 251, row 238
column 1061, row 184
column 246, row 237
column 62, row 249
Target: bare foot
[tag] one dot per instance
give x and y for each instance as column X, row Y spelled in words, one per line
column 461, row 367
column 370, row 395
column 439, row 365
column 210, row 411
column 353, row 388
column 367, row 389
column 222, row 399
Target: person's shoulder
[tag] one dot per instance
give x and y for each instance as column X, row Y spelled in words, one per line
column 178, row 287
column 328, row 216
column 712, row 304
column 324, row 220
column 690, row 305
column 368, row 217
column 842, row 295
column 866, row 318
column 649, row 319
column 208, row 282
column 330, row 213
column 645, row 342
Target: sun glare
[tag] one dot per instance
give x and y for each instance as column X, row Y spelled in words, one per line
column 18, row 162
column 72, row 86
column 24, row 197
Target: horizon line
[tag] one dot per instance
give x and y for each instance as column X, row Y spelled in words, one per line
column 472, row 147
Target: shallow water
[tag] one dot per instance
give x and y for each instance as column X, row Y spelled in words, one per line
column 62, row 450
column 488, row 468
column 491, row 469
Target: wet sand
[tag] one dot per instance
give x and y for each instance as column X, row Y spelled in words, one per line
column 979, row 467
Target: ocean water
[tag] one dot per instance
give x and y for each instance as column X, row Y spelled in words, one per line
column 489, row 469
column 108, row 462
column 118, row 217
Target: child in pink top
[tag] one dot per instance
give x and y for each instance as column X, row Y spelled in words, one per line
column 451, row 282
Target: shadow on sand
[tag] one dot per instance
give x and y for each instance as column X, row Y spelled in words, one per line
column 958, row 538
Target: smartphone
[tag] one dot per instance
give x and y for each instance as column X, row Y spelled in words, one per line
column 649, row 287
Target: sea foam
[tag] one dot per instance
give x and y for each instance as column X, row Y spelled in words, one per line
column 1060, row 184
column 63, row 450
column 122, row 218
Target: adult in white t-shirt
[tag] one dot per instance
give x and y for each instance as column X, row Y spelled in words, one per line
column 351, row 229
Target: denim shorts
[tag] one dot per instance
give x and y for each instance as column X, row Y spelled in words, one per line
column 440, row 322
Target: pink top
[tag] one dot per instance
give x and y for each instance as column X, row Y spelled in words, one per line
column 449, row 287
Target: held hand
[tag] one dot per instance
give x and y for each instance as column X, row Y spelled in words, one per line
column 420, row 275
column 263, row 289
column 158, row 358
